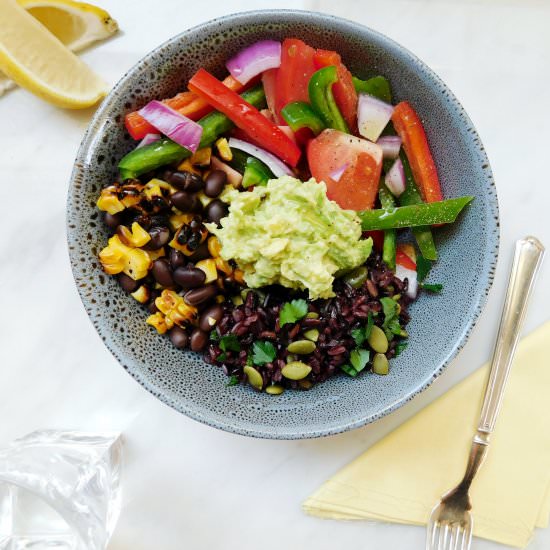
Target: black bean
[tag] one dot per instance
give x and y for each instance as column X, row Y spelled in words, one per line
column 159, row 237
column 210, row 317
column 179, row 337
column 127, row 283
column 166, row 174
column 186, row 202
column 186, row 181
column 198, row 340
column 215, row 182
column 177, row 258
column 112, row 220
column 189, row 278
column 162, row 272
column 216, row 210
column 200, row 295
column 201, row 253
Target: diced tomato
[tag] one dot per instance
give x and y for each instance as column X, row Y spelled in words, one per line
column 343, row 91
column 245, row 116
column 293, row 75
column 269, row 78
column 357, row 188
column 410, row 129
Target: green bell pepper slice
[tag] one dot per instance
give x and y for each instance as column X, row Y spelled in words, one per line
column 165, row 151
column 414, row 215
column 322, row 100
column 423, row 235
column 389, row 247
column 377, row 86
column 299, row 114
column 256, row 173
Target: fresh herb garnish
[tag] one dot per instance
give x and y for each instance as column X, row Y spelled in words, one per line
column 349, row 370
column 229, row 342
column 233, row 381
column 359, row 359
column 370, row 324
column 214, row 336
column 292, row 312
column 400, row 347
column 423, row 267
column 391, row 324
column 263, row 352
column 432, row 287
column 360, row 334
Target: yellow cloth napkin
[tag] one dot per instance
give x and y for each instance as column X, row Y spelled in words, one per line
column 401, row 477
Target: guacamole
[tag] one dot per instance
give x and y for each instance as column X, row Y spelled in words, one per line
column 289, row 233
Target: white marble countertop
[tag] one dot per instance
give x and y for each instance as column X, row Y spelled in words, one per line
column 187, row 485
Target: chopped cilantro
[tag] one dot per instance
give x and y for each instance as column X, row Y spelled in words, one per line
column 433, row 287
column 233, row 381
column 391, row 324
column 423, row 267
column 214, row 336
column 292, row 312
column 263, row 352
column 358, row 334
column 359, row 359
column 400, row 347
column 229, row 342
column 370, row 324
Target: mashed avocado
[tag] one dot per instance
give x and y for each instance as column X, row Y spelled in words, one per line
column 289, row 233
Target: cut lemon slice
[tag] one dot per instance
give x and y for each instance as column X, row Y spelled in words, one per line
column 35, row 59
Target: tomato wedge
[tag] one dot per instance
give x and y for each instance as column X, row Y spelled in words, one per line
column 269, row 80
column 245, row 116
column 186, row 103
column 361, row 161
column 411, row 131
column 293, row 75
column 343, row 91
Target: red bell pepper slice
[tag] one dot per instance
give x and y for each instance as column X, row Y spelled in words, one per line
column 343, row 91
column 411, row 131
column 404, row 260
column 293, row 75
column 245, row 116
column 186, row 103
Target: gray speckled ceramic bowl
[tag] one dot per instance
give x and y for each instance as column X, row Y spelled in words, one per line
column 440, row 324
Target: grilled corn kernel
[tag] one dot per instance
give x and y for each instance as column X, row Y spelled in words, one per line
column 224, row 150
column 223, row 266
column 183, row 247
column 220, row 299
column 238, row 275
column 201, row 157
column 153, row 189
column 108, row 201
column 117, row 257
column 135, row 237
column 160, row 322
column 177, row 220
column 142, row 294
column 186, row 166
column 205, row 201
column 174, row 308
column 209, row 268
column 214, row 246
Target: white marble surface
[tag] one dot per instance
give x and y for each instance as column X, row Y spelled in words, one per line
column 187, row 485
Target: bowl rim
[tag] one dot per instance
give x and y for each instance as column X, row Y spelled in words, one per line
column 88, row 141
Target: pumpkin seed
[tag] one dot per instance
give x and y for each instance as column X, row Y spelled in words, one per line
column 312, row 334
column 274, row 389
column 396, row 297
column 237, row 300
column 301, row 347
column 296, row 370
column 312, row 315
column 290, row 357
column 378, row 340
column 254, row 377
column 380, row 364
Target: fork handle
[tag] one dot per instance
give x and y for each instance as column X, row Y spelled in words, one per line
column 527, row 260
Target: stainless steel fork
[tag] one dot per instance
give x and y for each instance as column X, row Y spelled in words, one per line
column 451, row 524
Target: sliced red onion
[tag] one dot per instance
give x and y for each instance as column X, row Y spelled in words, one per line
column 404, row 273
column 338, row 173
column 177, row 127
column 148, row 139
column 390, row 146
column 234, row 178
column 395, row 178
column 278, row 167
column 373, row 116
column 261, row 56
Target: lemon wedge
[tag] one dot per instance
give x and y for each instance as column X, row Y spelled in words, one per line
column 35, row 59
